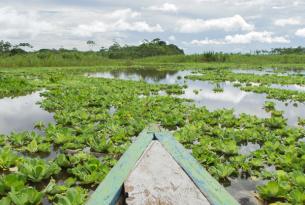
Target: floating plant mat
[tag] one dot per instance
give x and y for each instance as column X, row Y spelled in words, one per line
column 269, row 71
column 289, row 87
column 97, row 119
column 256, row 72
column 202, row 93
column 14, row 85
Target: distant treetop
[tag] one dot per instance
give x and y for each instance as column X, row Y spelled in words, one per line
column 156, row 47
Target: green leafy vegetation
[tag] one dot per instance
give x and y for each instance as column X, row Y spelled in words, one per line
column 269, row 105
column 14, row 190
column 8, row 158
column 156, row 47
column 77, row 152
column 215, row 138
column 221, row 75
column 73, row 196
column 14, row 86
column 28, row 196
column 155, row 52
column 36, row 169
column 275, row 93
column 301, row 121
column 245, row 81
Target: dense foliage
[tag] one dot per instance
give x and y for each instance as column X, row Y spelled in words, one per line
column 14, row 86
column 155, row 47
column 297, row 50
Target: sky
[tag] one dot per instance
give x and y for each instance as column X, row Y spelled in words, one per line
column 194, row 25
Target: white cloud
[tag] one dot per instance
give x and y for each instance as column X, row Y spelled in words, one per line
column 254, row 36
column 251, row 37
column 227, row 24
column 53, row 24
column 139, row 26
column 172, row 38
column 117, row 21
column 87, row 30
column 241, row 3
column 300, row 32
column 287, row 21
column 208, row 42
column 298, row 3
column 15, row 24
column 166, row 7
column 123, row 14
column 279, row 7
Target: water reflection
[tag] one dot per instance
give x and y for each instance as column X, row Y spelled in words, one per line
column 256, row 72
column 249, row 147
column 149, row 76
column 269, row 71
column 293, row 72
column 21, row 113
column 201, row 92
column 302, row 140
column 289, row 87
column 112, row 110
column 242, row 190
column 231, row 97
column 291, row 111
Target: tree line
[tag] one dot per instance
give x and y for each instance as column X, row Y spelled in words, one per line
column 282, row 51
column 155, row 47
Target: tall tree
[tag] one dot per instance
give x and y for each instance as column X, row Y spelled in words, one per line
column 91, row 44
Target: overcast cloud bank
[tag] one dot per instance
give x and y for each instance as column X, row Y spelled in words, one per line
column 195, row 25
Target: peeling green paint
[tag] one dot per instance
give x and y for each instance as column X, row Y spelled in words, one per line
column 213, row 191
column 109, row 191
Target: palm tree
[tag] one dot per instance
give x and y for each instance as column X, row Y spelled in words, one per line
column 91, row 44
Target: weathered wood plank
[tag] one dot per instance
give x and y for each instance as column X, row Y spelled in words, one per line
column 213, row 191
column 108, row 192
column 158, row 179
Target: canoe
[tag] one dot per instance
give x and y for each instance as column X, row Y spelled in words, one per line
column 156, row 169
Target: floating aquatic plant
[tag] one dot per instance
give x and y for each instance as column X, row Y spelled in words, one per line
column 8, row 158
column 87, row 140
column 37, row 169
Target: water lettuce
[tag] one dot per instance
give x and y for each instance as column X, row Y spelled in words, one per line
column 73, row 196
column 25, row 196
column 37, row 169
column 8, row 158
column 90, row 172
column 11, row 182
column 88, row 139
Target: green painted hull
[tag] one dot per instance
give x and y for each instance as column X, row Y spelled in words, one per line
column 109, row 191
